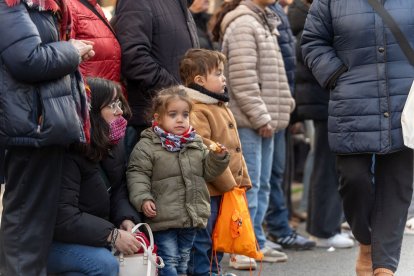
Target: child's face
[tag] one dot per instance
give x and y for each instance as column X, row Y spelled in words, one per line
column 215, row 81
column 176, row 118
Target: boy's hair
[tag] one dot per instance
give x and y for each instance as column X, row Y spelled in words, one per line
column 199, row 62
column 163, row 98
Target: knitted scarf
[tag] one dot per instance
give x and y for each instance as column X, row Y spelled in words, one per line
column 57, row 6
column 172, row 142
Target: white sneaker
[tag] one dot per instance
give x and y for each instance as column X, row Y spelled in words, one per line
column 242, row 262
column 337, row 241
column 271, row 255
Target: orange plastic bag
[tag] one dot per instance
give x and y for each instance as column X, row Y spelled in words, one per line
column 233, row 232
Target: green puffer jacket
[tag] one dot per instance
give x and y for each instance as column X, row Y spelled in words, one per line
column 175, row 181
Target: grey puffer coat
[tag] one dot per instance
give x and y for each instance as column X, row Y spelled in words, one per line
column 175, row 181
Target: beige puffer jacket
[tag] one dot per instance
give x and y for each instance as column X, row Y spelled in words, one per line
column 256, row 77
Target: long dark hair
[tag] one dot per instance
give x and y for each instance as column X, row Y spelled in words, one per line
column 102, row 94
column 218, row 16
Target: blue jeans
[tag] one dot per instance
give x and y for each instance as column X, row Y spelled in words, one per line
column 201, row 253
column 258, row 153
column 174, row 246
column 277, row 216
column 75, row 259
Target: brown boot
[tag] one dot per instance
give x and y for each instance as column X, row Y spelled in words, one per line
column 364, row 261
column 383, row 272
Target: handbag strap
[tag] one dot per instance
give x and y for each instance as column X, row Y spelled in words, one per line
column 92, row 8
column 399, row 36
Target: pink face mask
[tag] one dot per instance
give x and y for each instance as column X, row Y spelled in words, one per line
column 117, row 129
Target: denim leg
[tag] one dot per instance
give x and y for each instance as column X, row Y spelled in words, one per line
column 167, row 243
column 186, row 238
column 310, row 134
column 75, row 259
column 277, row 215
column 199, row 264
column 411, row 209
column 252, row 149
column 264, row 191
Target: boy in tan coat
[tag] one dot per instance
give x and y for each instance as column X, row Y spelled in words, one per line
column 201, row 72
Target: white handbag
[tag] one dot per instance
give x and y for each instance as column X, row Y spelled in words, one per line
column 142, row 264
column 407, row 119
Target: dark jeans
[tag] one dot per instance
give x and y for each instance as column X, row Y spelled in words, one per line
column 202, row 248
column 174, row 247
column 30, row 206
column 376, row 201
column 324, row 203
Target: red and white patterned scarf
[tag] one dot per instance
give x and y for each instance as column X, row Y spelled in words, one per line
column 172, row 142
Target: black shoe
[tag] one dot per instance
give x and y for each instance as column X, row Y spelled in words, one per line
column 293, row 241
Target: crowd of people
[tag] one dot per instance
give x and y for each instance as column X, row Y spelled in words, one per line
column 153, row 116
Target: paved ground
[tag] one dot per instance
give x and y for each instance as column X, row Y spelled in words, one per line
column 322, row 263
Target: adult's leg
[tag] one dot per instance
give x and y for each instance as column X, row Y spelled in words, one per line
column 167, row 244
column 29, row 208
column 200, row 257
column 264, row 190
column 251, row 147
column 357, row 192
column 307, row 173
column 73, row 259
column 277, row 215
column 393, row 192
column 325, row 207
column 185, row 240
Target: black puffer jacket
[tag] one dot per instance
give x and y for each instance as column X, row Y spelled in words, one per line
column 35, row 70
column 153, row 35
column 311, row 99
column 87, row 212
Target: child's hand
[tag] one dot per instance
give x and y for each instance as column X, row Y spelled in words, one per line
column 149, row 209
column 218, row 149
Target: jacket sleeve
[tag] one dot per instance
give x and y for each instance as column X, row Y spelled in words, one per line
column 214, row 165
column 73, row 225
column 225, row 181
column 24, row 54
column 139, row 175
column 121, row 208
column 243, row 79
column 134, row 28
column 317, row 45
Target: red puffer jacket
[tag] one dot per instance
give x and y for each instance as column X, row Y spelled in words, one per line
column 86, row 25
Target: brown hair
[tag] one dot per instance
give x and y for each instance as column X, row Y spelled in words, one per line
column 218, row 16
column 164, row 97
column 199, row 62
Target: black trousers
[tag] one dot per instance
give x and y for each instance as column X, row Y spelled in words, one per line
column 324, row 201
column 376, row 192
column 33, row 177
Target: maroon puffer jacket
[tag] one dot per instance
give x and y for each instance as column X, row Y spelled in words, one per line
column 86, row 25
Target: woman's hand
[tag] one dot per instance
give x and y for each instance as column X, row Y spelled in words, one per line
column 266, row 131
column 126, row 243
column 84, row 48
column 149, row 209
column 127, row 225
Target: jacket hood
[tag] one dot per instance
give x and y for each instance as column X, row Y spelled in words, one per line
column 298, row 12
column 243, row 9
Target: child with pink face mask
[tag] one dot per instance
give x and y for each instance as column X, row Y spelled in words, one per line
column 93, row 209
column 166, row 178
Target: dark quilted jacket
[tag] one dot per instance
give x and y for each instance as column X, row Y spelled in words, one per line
column 311, row 99
column 351, row 52
column 35, row 69
column 154, row 35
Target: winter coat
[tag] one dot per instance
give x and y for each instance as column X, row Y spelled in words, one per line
column 93, row 198
column 201, row 20
column 256, row 77
column 154, row 36
column 35, row 69
column 175, row 181
column 88, row 26
column 215, row 123
column 311, row 99
column 287, row 44
column 354, row 54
